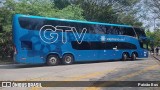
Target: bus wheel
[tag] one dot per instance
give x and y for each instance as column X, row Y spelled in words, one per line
column 67, row 59
column 124, row 56
column 133, row 57
column 52, row 60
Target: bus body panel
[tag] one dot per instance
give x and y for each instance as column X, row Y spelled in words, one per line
column 32, row 50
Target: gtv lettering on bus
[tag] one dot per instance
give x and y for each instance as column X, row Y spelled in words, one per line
column 54, row 35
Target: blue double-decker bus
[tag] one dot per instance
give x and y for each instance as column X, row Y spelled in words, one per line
column 39, row 40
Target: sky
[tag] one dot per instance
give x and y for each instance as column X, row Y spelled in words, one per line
column 149, row 19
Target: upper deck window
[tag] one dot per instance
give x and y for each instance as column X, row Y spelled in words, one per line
column 37, row 23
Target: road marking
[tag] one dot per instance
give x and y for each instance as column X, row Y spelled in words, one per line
column 76, row 78
column 124, row 77
column 96, row 74
column 91, row 75
column 85, row 76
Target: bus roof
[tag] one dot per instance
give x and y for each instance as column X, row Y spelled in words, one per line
column 78, row 21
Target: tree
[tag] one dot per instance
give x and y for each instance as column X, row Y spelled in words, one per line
column 109, row 11
column 31, row 7
column 154, row 7
column 154, row 37
column 152, row 13
column 157, row 37
column 60, row 4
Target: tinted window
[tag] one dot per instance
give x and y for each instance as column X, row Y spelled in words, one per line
column 129, row 32
column 31, row 23
column 26, row 45
column 99, row 29
column 140, row 32
column 98, row 45
column 120, row 31
column 111, row 30
column 143, row 44
column 88, row 45
column 111, row 45
column 83, row 46
column 37, row 24
column 124, row 45
column 102, row 45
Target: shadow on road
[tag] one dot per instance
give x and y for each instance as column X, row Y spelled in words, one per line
column 101, row 61
column 21, row 66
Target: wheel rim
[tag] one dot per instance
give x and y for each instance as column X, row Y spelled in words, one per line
column 53, row 60
column 68, row 59
column 134, row 56
column 125, row 56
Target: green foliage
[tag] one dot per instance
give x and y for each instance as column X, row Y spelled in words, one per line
column 154, row 37
column 93, row 12
column 157, row 37
column 60, row 4
column 70, row 12
column 44, row 8
column 129, row 19
column 109, row 11
column 33, row 7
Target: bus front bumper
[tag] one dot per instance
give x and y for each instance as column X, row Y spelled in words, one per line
column 143, row 54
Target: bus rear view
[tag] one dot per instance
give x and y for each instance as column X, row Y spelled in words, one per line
column 42, row 40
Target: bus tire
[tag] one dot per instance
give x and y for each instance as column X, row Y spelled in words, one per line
column 52, row 60
column 124, row 56
column 67, row 59
column 133, row 56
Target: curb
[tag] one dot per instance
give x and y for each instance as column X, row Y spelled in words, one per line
column 4, row 63
column 156, row 57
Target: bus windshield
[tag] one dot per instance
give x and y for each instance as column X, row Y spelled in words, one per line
column 143, row 44
column 140, row 32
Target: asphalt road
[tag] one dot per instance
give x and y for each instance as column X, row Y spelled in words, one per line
column 139, row 70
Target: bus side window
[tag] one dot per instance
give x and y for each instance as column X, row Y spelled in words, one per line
column 83, row 46
column 125, row 45
column 129, row 32
column 99, row 29
column 98, row 45
column 112, row 30
column 120, row 30
column 110, row 45
column 82, row 27
column 26, row 45
column 108, row 30
column 116, row 30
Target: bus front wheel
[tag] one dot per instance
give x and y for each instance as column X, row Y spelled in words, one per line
column 52, row 60
column 67, row 59
column 124, row 56
column 133, row 57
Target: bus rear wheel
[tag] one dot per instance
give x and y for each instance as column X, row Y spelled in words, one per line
column 52, row 60
column 124, row 56
column 67, row 59
column 133, row 57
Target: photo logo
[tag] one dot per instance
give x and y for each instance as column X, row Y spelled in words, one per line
column 103, row 38
column 50, row 34
column 6, row 84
